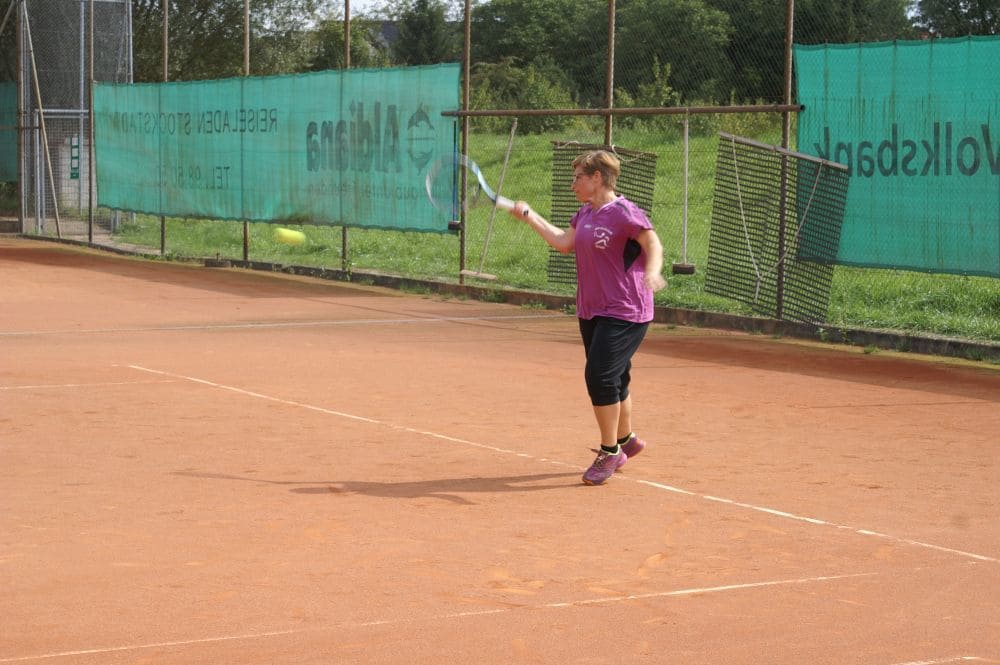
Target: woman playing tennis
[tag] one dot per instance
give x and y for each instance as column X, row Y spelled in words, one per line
column 619, row 261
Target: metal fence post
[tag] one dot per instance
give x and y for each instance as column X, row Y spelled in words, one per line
column 786, row 124
column 344, row 235
column 246, row 73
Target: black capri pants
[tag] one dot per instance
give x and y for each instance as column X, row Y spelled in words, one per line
column 609, row 345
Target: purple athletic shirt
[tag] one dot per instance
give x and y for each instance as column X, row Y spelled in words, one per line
column 610, row 269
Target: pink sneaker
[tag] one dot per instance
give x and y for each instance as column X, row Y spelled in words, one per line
column 634, row 446
column 604, row 467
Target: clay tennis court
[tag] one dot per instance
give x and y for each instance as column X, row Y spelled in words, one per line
column 222, row 466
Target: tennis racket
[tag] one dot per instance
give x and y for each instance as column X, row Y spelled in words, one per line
column 442, row 186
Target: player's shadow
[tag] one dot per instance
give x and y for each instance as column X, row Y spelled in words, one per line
column 446, row 489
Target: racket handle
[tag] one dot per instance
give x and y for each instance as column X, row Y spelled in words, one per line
column 505, row 203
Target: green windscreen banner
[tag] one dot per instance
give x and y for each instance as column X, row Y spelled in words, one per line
column 8, row 131
column 346, row 147
column 918, row 126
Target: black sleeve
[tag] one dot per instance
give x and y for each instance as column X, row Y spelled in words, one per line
column 632, row 251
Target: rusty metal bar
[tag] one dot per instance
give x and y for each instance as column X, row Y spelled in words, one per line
column 666, row 110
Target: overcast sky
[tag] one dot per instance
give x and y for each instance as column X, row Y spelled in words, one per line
column 358, row 6
column 453, row 7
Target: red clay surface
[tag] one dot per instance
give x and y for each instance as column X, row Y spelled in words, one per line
column 205, row 466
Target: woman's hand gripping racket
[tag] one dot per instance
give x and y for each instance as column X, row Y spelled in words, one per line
column 443, row 191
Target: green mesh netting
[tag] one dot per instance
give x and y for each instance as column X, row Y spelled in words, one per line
column 341, row 147
column 918, row 126
column 8, row 131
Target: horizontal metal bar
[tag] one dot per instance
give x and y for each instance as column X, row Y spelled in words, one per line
column 48, row 111
column 656, row 110
column 783, row 151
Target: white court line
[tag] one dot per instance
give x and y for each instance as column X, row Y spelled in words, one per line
column 331, row 412
column 152, row 645
column 283, row 324
column 250, row 393
column 771, row 511
column 704, row 590
column 953, row 659
column 102, row 384
column 440, row 617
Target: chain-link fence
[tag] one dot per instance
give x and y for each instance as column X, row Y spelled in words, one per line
column 681, row 72
column 54, row 66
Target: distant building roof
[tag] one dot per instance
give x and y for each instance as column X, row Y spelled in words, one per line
column 388, row 32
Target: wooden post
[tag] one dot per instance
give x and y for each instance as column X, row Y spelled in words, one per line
column 246, row 72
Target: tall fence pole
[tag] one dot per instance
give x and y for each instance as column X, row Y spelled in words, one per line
column 246, row 72
column 21, row 116
column 786, row 117
column 347, row 34
column 345, row 261
column 91, row 151
column 786, row 124
column 41, row 118
column 609, row 79
column 466, row 87
column 166, row 77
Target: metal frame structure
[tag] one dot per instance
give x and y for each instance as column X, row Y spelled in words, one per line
column 48, row 160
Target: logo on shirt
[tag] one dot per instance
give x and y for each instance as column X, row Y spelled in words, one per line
column 602, row 237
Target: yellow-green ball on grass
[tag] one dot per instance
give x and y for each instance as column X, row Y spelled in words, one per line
column 289, row 236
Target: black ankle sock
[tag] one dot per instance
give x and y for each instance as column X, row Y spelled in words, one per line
column 614, row 450
column 622, row 441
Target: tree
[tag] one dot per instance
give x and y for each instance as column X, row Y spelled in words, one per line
column 756, row 49
column 695, row 50
column 568, row 32
column 510, row 84
column 206, row 37
column 849, row 21
column 655, row 93
column 366, row 48
column 393, row 9
column 425, row 36
column 958, row 18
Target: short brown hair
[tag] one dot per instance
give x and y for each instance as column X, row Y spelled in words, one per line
column 600, row 161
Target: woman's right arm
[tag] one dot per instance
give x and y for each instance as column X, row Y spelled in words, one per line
column 560, row 240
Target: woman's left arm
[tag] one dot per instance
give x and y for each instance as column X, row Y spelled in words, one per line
column 653, row 249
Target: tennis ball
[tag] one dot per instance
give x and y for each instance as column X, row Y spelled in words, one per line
column 289, row 237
